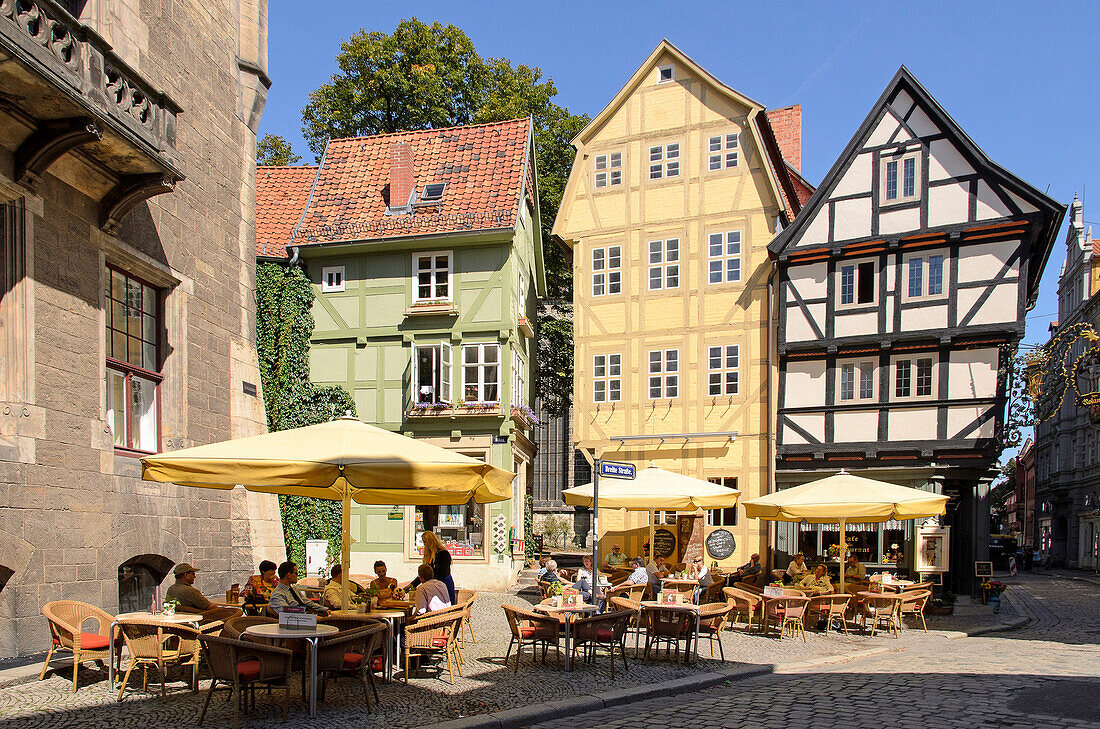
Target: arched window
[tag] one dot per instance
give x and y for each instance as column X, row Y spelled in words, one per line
column 138, row 578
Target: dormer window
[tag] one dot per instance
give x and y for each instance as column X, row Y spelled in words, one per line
column 433, row 192
column 666, row 74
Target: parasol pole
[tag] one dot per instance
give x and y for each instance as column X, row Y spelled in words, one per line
column 345, row 545
column 593, row 577
column 843, row 554
column 652, row 531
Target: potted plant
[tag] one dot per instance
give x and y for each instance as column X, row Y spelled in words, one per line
column 554, row 591
column 991, row 593
column 170, row 605
column 942, row 605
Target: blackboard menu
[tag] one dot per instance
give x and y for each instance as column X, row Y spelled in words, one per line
column 664, row 543
column 720, row 544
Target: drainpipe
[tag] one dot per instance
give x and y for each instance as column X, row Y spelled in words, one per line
column 773, row 413
column 293, row 257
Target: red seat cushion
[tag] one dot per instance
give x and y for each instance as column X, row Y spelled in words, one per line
column 709, row 628
column 352, row 660
column 604, row 633
column 93, row 641
column 378, row 663
column 439, row 642
column 248, row 670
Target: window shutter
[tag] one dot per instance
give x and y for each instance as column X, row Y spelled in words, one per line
column 445, row 372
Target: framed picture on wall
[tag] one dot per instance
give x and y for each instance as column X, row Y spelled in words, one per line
column 932, row 549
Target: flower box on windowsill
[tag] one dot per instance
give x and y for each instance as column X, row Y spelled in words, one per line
column 421, row 410
column 459, row 409
column 477, row 408
column 524, row 417
column 525, row 328
column 432, row 308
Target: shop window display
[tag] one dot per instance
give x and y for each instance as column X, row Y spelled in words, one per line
column 461, row 528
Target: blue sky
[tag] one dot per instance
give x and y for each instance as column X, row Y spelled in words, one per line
column 1020, row 77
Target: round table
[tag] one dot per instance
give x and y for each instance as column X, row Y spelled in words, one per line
column 570, row 612
column 310, row 635
column 174, row 619
column 391, row 617
column 680, row 606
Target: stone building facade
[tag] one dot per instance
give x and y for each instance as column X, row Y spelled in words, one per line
column 127, row 311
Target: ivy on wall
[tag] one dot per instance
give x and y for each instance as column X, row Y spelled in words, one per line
column 284, row 297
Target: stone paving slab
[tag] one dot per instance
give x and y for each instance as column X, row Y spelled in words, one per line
column 486, row 687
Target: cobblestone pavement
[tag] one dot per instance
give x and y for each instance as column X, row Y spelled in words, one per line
column 429, row 698
column 1044, row 675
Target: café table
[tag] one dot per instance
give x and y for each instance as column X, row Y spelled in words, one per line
column 256, row 608
column 310, row 635
column 175, row 619
column 392, row 619
column 685, row 606
column 893, row 585
column 570, row 612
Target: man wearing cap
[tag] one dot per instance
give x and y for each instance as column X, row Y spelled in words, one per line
column 191, row 600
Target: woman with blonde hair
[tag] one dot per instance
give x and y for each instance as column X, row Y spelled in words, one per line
column 436, row 555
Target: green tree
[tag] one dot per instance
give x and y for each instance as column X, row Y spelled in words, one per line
column 284, row 297
column 275, row 150
column 429, row 76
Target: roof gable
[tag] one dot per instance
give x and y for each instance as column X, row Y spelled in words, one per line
column 486, row 168
column 281, row 195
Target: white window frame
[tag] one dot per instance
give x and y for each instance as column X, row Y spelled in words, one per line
column 664, row 160
column 859, row 368
column 332, row 279
column 728, row 363
column 519, row 378
column 521, row 301
column 606, row 276
column 727, row 258
column 855, row 302
column 671, row 68
column 664, row 374
column 443, row 360
column 664, row 517
column 922, row 262
column 723, row 517
column 723, row 151
column 482, row 381
column 434, row 270
column 608, row 169
column 909, row 362
column 664, row 263
column 886, row 159
column 607, row 377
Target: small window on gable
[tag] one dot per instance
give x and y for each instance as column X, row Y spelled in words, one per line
column 332, row 279
column 666, row 74
column 900, row 178
column 433, row 192
column 723, row 151
column 609, row 169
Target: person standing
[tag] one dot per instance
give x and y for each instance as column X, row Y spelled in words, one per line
column 437, row 556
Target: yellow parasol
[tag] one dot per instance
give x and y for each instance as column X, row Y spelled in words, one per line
column 842, row 498
column 343, row 460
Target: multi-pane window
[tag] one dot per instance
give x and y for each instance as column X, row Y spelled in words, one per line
column 724, row 257
column 857, row 283
column 664, row 161
column 432, row 373
column 607, row 377
column 664, row 264
column 609, row 169
column 724, row 370
column 914, row 377
column 433, row 276
column 857, row 380
column 723, row 151
column 899, row 178
column 607, row 270
column 521, row 300
column 481, row 373
column 667, row 518
column 519, row 379
column 723, row 517
column 924, row 275
column 664, row 373
column 133, row 324
column 332, row 279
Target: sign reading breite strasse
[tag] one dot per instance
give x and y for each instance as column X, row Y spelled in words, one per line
column 614, row 469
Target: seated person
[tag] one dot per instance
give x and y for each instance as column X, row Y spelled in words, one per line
column 657, row 571
column 639, row 576
column 191, row 600
column 551, row 573
column 749, row 570
column 795, row 569
column 817, row 583
column 542, row 568
column 287, row 595
column 854, row 569
column 698, row 570
column 333, row 595
column 259, row 587
column 382, row 582
column 432, row 594
column 616, row 559
column 585, row 581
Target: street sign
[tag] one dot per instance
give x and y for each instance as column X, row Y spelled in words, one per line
column 613, row 469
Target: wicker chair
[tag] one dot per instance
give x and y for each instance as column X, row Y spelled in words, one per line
column 712, row 618
column 466, row 598
column 432, row 634
column 635, row 622
column 158, row 644
column 630, row 591
column 216, row 615
column 749, row 587
column 532, row 628
column 830, row 607
column 880, row 610
column 788, row 613
column 234, row 627
column 668, row 625
column 743, row 601
column 241, row 665
column 607, row 630
column 352, row 653
column 66, row 619
column 912, row 603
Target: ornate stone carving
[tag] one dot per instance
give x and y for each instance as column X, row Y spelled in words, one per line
column 51, row 33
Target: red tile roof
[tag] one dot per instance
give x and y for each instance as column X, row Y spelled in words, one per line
column 281, row 195
column 1096, row 247
column 483, row 166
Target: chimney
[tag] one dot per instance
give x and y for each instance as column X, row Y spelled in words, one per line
column 787, row 126
column 401, row 177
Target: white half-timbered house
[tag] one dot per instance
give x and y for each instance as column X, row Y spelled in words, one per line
column 898, row 288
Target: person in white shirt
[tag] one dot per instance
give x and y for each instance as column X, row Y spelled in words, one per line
column 796, row 568
column 287, row 595
column 431, row 594
column 698, row 570
column 657, row 570
column 585, row 581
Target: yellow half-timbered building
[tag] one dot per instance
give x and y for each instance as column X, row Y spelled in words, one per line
column 677, row 188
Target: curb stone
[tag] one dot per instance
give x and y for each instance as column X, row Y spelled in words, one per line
column 1075, row 578
column 1014, row 624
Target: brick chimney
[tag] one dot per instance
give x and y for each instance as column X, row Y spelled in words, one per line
column 401, row 176
column 787, row 126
